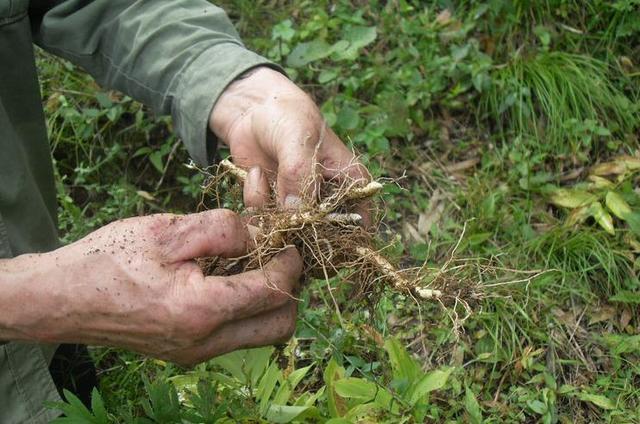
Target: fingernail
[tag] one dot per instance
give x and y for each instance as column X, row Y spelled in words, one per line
column 292, row 202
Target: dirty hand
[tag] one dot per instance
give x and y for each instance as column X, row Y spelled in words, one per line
column 267, row 121
column 134, row 284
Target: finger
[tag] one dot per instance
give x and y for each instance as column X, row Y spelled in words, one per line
column 297, row 165
column 273, row 327
column 217, row 232
column 256, row 188
column 339, row 163
column 253, row 292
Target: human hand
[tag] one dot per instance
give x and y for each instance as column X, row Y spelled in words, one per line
column 133, row 284
column 267, row 121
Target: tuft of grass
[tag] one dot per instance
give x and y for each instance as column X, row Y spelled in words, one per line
column 544, row 96
column 590, row 261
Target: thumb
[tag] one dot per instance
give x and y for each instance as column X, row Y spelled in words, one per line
column 216, row 232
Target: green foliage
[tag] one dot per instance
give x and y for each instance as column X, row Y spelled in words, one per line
column 560, row 99
column 515, row 120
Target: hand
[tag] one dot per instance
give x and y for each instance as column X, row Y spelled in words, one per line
column 267, row 121
column 133, row 284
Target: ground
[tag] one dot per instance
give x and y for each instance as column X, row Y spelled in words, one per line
column 511, row 132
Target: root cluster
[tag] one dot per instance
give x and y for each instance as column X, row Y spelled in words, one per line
column 328, row 233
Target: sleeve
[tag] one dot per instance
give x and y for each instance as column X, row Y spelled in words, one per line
column 176, row 56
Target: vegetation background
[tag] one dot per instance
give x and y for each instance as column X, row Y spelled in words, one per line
column 517, row 118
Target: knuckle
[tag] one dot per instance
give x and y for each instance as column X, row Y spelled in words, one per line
column 227, row 217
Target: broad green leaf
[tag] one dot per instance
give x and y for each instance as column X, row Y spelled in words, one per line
column 363, row 413
column 288, row 386
column 305, row 53
column 618, row 166
column 598, row 400
column 347, row 118
column 267, row 385
column 633, row 221
column 360, row 36
column 602, row 217
column 247, row 366
column 284, row 413
column 156, row 160
column 472, row 407
column 97, row 406
column 433, row 380
column 333, row 373
column 403, row 366
column 537, row 406
column 571, row 198
column 616, row 204
column 600, row 182
column 103, row 100
column 356, row 388
column 578, row 216
column 327, row 75
column 353, row 39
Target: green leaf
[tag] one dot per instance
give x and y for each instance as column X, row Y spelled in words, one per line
column 537, row 406
column 327, row 75
column 305, row 53
column 246, row 366
column 403, row 366
column 333, row 373
column 598, row 400
column 353, row 39
column 571, row 199
column 156, row 160
column 472, row 407
column 616, row 204
column 347, row 118
column 97, row 406
column 600, row 182
column 356, row 388
column 434, row 380
column 578, row 216
column 267, row 385
column 602, row 217
column 103, row 100
column 284, row 413
column 289, row 385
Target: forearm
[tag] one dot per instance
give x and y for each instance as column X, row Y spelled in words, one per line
column 30, row 297
column 176, row 57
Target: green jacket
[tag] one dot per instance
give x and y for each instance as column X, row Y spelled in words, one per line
column 175, row 56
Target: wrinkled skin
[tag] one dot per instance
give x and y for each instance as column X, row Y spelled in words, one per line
column 267, row 121
column 134, row 283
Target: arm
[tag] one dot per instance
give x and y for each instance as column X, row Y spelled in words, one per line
column 185, row 58
column 174, row 56
column 133, row 284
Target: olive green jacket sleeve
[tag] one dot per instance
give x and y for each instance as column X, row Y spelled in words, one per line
column 176, row 56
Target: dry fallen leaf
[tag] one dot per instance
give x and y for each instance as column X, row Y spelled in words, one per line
column 462, row 166
column 625, row 318
column 432, row 215
column 604, row 313
column 444, row 17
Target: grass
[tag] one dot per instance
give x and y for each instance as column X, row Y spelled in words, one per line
column 487, row 127
column 564, row 101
